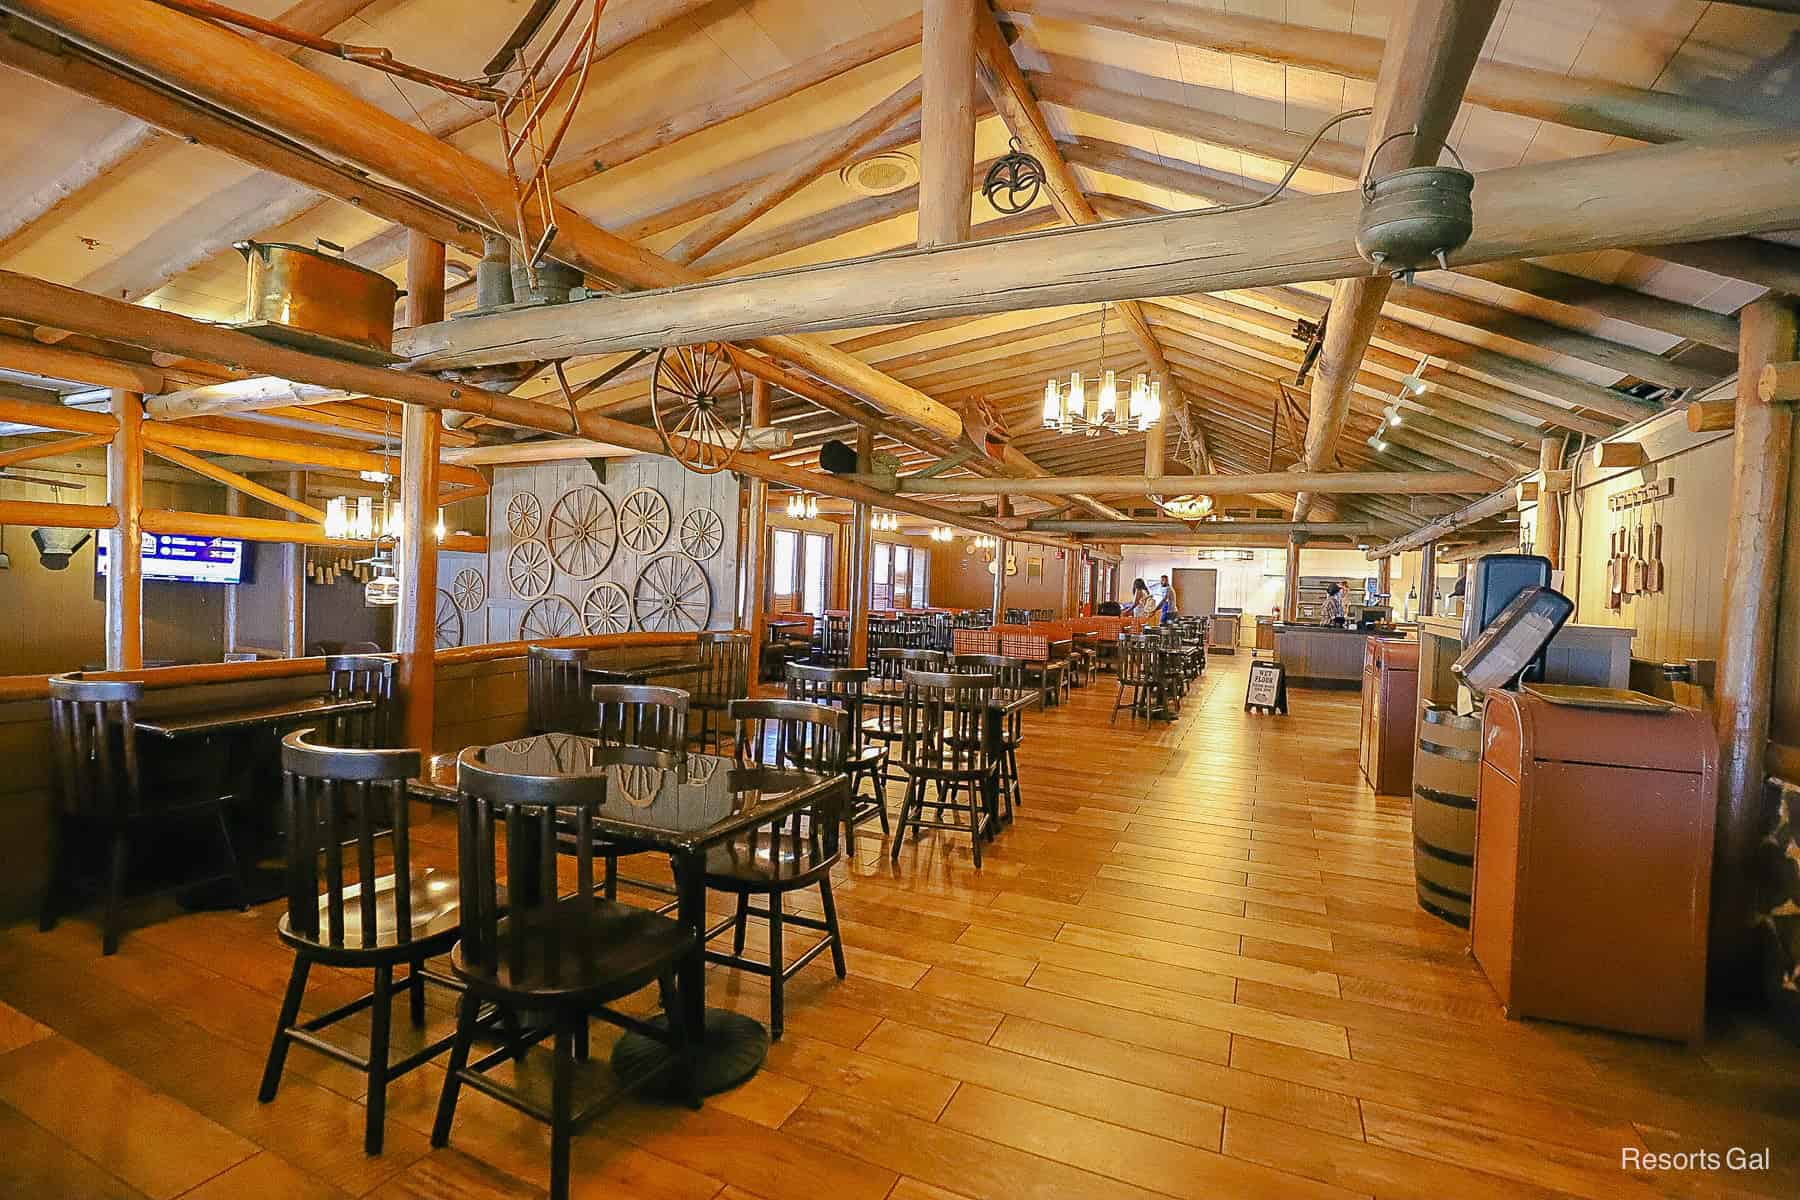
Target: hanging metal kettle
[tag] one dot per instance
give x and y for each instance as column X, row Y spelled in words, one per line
column 1415, row 217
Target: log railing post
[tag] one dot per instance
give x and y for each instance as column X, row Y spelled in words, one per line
column 421, row 432
column 125, row 574
column 1762, row 453
column 755, row 609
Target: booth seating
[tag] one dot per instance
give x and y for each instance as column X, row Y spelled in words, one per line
column 1046, row 660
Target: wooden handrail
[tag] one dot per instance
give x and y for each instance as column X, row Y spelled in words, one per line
column 37, row 687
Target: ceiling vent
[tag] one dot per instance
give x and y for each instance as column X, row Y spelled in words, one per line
column 882, row 174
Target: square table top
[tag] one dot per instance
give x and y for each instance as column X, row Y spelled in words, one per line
column 680, row 803
column 1007, row 700
column 271, row 714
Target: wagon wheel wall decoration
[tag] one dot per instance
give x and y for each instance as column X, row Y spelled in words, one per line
column 549, row 617
column 644, row 520
column 448, row 627
column 469, row 589
column 583, row 532
column 528, row 569
column 672, row 595
column 606, row 609
column 524, row 515
column 702, row 534
column 700, row 404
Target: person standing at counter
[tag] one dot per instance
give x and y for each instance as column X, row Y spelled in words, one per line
column 1143, row 604
column 1332, row 611
column 1167, row 597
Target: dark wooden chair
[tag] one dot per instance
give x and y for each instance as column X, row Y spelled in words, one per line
column 550, row 962
column 363, row 677
column 344, row 802
column 942, row 748
column 1012, row 674
column 647, row 717
column 785, row 856
column 101, row 805
column 723, row 676
column 1139, row 681
column 888, row 668
column 556, row 697
column 866, row 758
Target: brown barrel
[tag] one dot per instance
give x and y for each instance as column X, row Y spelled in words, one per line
column 1444, row 774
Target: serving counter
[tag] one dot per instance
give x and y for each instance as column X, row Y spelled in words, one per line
column 1323, row 655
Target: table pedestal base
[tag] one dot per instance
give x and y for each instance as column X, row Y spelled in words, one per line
column 736, row 1046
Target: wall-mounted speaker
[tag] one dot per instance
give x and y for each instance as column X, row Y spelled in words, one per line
column 836, row 458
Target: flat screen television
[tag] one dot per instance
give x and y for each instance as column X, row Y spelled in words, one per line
column 183, row 559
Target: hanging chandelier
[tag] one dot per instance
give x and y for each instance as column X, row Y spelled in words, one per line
column 1066, row 407
column 803, row 506
column 360, row 520
column 942, row 533
column 884, row 522
column 1194, row 507
column 983, row 541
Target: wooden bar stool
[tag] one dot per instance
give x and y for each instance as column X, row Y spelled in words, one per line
column 942, row 722
column 342, row 802
column 100, row 802
column 867, row 758
column 550, row 962
column 788, row 855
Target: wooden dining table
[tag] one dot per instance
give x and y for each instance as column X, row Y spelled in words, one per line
column 685, row 810
column 595, row 671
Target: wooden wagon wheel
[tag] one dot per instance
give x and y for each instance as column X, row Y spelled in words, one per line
column 449, row 625
column 672, row 595
column 469, row 589
column 644, row 520
column 702, row 534
column 583, row 532
column 524, row 515
column 549, row 617
column 528, row 569
column 606, row 609
column 701, row 406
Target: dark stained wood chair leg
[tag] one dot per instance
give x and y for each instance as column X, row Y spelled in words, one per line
column 581, row 1040
column 831, row 923
column 612, row 877
column 466, row 1012
column 115, row 892
column 562, row 1081
column 381, row 1018
column 777, row 983
column 416, row 986
column 290, row 1013
column 743, row 922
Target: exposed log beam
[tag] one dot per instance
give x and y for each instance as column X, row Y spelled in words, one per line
column 1399, row 483
column 1574, row 101
column 1772, row 264
column 1431, row 50
column 947, row 138
column 298, row 104
column 238, row 396
column 769, row 192
column 1012, row 98
column 1491, row 505
column 589, row 160
column 1662, row 193
column 32, row 300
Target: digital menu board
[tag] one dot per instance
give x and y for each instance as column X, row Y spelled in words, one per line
column 174, row 556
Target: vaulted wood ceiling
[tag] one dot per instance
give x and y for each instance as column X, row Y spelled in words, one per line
column 1155, row 106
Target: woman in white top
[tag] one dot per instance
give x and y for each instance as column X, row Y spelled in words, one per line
column 1144, row 606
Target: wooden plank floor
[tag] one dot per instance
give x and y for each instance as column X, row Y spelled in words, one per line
column 1193, row 968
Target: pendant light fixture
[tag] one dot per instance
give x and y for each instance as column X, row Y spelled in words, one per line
column 1065, row 409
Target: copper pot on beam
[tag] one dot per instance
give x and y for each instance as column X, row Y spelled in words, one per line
column 316, row 292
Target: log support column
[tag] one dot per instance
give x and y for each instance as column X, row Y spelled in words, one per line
column 293, row 600
column 125, row 568
column 1290, row 592
column 1428, row 579
column 753, row 608
column 1547, row 540
column 862, row 551
column 1762, row 455
column 1071, row 597
column 415, row 634
column 947, row 122
column 1002, row 510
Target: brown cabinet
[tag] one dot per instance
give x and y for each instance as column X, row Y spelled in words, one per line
column 1593, row 862
column 1390, row 697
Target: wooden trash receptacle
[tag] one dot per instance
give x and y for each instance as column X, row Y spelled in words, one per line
column 1444, row 775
